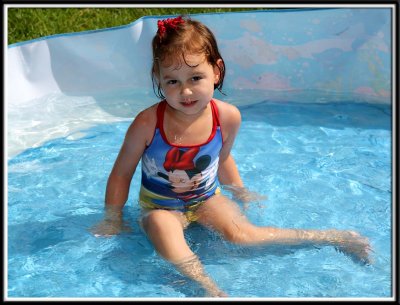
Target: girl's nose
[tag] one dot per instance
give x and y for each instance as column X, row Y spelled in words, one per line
column 186, row 91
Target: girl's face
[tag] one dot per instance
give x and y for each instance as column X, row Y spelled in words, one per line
column 188, row 85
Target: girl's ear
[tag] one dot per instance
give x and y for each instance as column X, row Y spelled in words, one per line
column 217, row 71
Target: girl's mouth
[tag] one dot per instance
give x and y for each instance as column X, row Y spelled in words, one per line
column 188, row 103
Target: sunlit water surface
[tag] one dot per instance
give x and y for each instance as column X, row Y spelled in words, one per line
column 321, row 166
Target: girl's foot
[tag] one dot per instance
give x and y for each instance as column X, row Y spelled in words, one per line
column 216, row 293
column 353, row 244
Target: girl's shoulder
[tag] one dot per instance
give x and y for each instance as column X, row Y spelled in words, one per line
column 228, row 113
column 148, row 115
column 144, row 123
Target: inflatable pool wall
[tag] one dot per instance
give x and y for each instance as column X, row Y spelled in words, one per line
column 307, row 55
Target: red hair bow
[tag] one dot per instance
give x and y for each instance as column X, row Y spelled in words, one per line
column 170, row 23
column 177, row 159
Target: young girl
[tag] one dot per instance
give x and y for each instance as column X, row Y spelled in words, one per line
column 185, row 144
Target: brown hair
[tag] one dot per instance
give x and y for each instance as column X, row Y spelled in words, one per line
column 187, row 36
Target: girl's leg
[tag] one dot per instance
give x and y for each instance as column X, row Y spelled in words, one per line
column 225, row 216
column 165, row 230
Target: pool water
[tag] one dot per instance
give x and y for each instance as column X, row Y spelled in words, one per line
column 321, row 165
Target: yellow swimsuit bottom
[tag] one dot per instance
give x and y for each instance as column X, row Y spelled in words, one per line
column 146, row 197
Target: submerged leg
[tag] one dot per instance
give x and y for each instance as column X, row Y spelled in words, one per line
column 224, row 216
column 165, row 230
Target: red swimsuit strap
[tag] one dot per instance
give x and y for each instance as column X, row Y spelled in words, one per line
column 214, row 109
column 160, row 113
column 160, row 122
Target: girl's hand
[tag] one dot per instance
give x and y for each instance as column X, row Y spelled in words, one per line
column 108, row 228
column 245, row 196
column 112, row 224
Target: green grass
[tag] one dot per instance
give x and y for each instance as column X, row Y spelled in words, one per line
column 31, row 23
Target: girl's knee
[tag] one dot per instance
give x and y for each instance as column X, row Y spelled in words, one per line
column 159, row 221
column 237, row 234
column 155, row 219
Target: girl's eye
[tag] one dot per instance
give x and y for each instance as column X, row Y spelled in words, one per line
column 171, row 82
column 196, row 78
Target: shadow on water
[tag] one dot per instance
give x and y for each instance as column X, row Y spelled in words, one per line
column 330, row 115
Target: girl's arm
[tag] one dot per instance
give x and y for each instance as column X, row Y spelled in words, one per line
column 228, row 173
column 139, row 134
column 230, row 120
